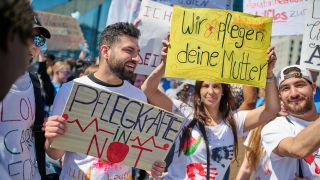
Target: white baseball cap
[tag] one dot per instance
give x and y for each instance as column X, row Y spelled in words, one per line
column 293, row 71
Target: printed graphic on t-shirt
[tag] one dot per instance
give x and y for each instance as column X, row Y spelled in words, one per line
column 16, row 137
column 313, row 161
column 199, row 171
column 109, row 170
column 220, row 153
column 190, row 146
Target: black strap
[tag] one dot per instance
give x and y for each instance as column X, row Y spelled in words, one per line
column 203, row 130
column 300, row 169
column 39, row 137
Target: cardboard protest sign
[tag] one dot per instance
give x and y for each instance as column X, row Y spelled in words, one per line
column 310, row 53
column 116, row 128
column 288, row 15
column 218, row 45
column 65, row 31
column 155, row 26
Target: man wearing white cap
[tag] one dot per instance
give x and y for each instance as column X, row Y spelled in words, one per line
column 292, row 142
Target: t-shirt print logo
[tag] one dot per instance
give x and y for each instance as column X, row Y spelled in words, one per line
column 224, row 152
column 190, row 146
column 311, row 159
column 198, row 170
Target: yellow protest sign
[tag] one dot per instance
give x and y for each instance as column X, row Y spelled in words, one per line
column 116, row 128
column 218, row 45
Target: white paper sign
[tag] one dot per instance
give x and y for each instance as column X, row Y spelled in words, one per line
column 218, row 4
column 128, row 10
column 123, row 11
column 155, row 26
column 310, row 53
column 288, row 15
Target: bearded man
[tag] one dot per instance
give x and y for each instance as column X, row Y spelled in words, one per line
column 292, row 142
column 118, row 57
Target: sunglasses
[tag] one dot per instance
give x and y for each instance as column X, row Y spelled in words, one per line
column 39, row 40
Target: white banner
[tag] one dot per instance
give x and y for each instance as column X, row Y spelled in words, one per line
column 310, row 53
column 288, row 15
column 155, row 26
column 128, row 10
column 218, row 4
column 123, row 11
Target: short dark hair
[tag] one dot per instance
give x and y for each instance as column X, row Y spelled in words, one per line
column 15, row 15
column 112, row 32
column 291, row 69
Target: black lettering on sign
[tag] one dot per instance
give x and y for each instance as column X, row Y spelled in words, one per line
column 198, row 56
column 237, row 32
column 315, row 54
column 241, row 68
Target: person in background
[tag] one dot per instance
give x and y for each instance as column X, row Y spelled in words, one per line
column 16, row 17
column 315, row 75
column 139, row 79
column 61, row 73
column 49, row 59
column 91, row 69
column 22, row 112
column 256, row 163
column 172, row 91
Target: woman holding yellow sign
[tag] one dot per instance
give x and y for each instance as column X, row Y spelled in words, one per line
column 208, row 141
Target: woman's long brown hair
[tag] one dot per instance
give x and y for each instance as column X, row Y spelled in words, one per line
column 227, row 104
column 254, row 150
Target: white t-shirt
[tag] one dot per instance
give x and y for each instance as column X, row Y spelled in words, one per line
column 193, row 165
column 286, row 167
column 81, row 166
column 17, row 115
column 263, row 170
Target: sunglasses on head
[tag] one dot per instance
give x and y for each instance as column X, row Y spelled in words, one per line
column 39, row 40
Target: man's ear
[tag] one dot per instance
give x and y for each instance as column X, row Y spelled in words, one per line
column 104, row 51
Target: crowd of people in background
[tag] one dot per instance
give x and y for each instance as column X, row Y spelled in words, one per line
column 280, row 123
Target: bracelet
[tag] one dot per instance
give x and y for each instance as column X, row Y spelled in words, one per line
column 271, row 79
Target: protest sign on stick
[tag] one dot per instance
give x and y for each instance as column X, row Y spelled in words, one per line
column 218, row 45
column 310, row 53
column 155, row 25
column 116, row 128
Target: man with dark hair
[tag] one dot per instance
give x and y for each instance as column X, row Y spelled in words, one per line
column 15, row 34
column 22, row 116
column 118, row 57
column 292, row 142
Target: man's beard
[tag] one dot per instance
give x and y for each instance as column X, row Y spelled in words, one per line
column 299, row 109
column 119, row 69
